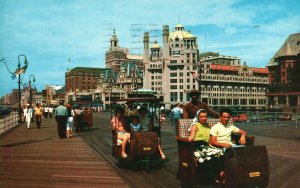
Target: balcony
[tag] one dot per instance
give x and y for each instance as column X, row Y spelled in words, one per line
column 155, row 67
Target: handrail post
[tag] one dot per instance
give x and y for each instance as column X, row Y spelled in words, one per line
column 275, row 119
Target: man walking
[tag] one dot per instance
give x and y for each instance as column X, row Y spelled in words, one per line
column 38, row 113
column 28, row 115
column 61, row 116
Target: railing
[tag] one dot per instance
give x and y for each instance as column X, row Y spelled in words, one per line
column 8, row 121
column 268, row 118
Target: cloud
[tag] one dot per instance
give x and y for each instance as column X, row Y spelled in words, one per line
column 52, row 31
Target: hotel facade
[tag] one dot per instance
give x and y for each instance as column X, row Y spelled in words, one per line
column 177, row 67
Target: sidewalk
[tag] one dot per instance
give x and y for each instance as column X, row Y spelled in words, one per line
column 38, row 158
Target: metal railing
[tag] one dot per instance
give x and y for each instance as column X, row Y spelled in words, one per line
column 9, row 121
column 268, row 118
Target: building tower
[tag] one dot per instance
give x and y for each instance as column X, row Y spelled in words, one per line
column 169, row 67
column 146, row 83
column 166, row 41
column 114, row 41
column 116, row 55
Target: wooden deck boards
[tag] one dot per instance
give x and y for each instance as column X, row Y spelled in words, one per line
column 37, row 158
column 282, row 143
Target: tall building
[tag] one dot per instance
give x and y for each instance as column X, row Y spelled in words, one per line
column 176, row 67
column 168, row 68
column 80, row 82
column 284, row 67
column 225, row 82
column 115, row 56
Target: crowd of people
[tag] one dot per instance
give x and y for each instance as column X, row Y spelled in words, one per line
column 138, row 119
column 68, row 118
column 217, row 136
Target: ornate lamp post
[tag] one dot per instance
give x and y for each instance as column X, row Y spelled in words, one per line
column 30, row 88
column 18, row 73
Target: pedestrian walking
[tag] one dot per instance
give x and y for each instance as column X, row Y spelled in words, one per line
column 61, row 119
column 50, row 111
column 24, row 114
column 69, row 131
column 176, row 114
column 28, row 115
column 46, row 111
column 38, row 113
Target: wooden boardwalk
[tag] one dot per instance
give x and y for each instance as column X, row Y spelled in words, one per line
column 37, row 158
column 283, row 145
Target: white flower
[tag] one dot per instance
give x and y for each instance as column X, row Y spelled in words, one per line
column 201, row 160
column 206, row 153
column 197, row 154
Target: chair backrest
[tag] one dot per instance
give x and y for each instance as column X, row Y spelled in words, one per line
column 184, row 125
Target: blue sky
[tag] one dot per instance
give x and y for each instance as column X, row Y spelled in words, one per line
column 49, row 32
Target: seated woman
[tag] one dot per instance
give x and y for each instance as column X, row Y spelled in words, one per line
column 146, row 124
column 200, row 131
column 118, row 124
column 200, row 135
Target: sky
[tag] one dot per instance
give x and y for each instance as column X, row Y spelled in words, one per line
column 56, row 35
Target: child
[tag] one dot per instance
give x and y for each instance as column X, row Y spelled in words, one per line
column 162, row 119
column 135, row 125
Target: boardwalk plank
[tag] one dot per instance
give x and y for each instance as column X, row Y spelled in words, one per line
column 282, row 144
column 37, row 158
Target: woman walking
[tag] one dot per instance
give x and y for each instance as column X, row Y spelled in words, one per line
column 69, row 130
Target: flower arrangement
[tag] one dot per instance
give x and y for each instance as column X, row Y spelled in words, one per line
column 206, row 153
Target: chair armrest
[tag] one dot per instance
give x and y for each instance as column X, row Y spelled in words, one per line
column 250, row 140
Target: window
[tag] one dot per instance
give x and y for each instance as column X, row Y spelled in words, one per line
column 173, row 87
column 173, row 96
column 173, row 74
column 173, row 80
